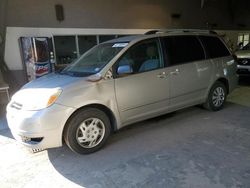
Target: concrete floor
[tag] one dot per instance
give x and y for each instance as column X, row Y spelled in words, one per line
column 189, row 148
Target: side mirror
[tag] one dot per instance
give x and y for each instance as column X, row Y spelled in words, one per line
column 124, row 69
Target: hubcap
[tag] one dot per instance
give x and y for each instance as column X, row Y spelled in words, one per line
column 218, row 96
column 90, row 132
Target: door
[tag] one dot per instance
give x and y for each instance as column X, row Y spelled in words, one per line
column 190, row 72
column 35, row 53
column 144, row 92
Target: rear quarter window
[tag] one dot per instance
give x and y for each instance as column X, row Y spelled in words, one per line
column 215, row 48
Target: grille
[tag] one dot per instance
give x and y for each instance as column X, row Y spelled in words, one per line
column 244, row 61
column 16, row 105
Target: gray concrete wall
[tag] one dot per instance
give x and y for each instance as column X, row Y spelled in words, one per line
column 115, row 14
column 129, row 13
column 3, row 5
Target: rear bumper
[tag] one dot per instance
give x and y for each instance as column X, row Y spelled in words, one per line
column 39, row 129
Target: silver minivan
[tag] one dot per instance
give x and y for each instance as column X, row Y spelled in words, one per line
column 121, row 82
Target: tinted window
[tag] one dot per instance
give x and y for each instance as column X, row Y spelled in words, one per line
column 183, row 49
column 103, row 38
column 85, row 43
column 65, row 47
column 214, row 47
column 142, row 57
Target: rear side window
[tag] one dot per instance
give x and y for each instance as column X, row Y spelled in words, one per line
column 214, row 47
column 183, row 49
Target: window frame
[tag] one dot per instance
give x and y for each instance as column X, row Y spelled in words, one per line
column 162, row 62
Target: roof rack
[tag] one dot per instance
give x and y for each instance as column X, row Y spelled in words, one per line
column 151, row 32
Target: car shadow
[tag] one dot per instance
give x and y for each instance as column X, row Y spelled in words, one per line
column 244, row 80
column 149, row 137
column 4, row 129
column 6, row 133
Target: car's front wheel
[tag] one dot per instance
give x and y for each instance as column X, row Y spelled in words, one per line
column 216, row 97
column 87, row 131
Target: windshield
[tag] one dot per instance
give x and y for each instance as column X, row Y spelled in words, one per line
column 94, row 60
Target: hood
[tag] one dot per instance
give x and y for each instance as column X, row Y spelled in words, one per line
column 53, row 80
column 36, row 94
column 243, row 54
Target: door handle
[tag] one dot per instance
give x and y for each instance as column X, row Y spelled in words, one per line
column 176, row 72
column 162, row 75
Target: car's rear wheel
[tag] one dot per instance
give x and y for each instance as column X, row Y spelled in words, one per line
column 87, row 131
column 216, row 97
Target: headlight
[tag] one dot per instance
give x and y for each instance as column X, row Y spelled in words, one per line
column 53, row 98
column 36, row 98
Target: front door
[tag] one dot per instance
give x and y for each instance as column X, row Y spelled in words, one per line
column 145, row 92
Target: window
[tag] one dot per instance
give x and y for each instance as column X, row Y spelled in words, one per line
column 243, row 39
column 94, row 60
column 103, row 38
column 65, row 47
column 69, row 48
column 214, row 47
column 118, row 36
column 142, row 57
column 183, row 49
column 86, row 42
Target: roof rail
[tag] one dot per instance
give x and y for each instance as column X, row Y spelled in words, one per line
column 180, row 31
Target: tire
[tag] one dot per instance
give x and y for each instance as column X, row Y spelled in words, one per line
column 216, row 97
column 87, row 131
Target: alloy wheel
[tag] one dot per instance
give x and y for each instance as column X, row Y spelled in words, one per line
column 90, row 132
column 218, row 97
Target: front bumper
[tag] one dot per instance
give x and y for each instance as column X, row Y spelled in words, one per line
column 39, row 129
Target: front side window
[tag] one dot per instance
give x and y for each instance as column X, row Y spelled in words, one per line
column 94, row 60
column 142, row 57
column 183, row 49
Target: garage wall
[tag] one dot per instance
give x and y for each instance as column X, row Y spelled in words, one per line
column 129, row 13
column 12, row 51
column 86, row 17
column 3, row 5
